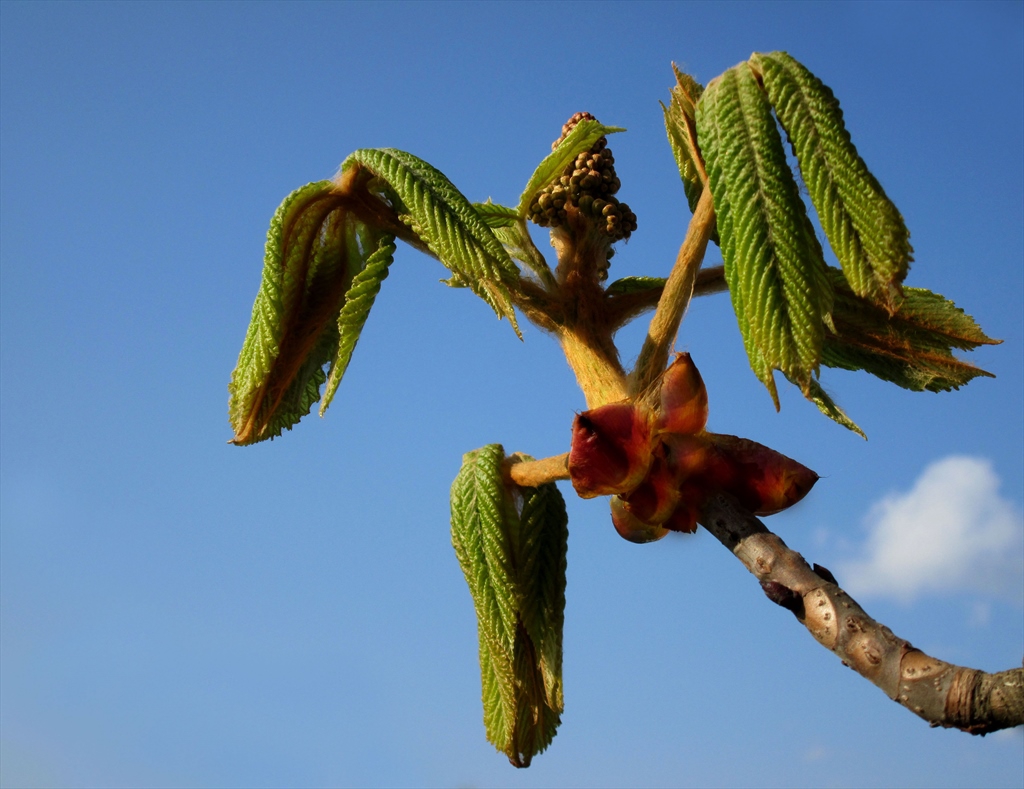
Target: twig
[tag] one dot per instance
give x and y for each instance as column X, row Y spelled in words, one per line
column 534, row 473
column 676, row 296
column 941, row 693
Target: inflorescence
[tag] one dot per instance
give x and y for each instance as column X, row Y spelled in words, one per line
column 589, row 184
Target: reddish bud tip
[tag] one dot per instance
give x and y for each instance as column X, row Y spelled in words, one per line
column 611, row 450
column 632, row 528
column 763, row 480
column 684, row 399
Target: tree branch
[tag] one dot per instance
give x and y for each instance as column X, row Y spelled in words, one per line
column 941, row 693
column 534, row 473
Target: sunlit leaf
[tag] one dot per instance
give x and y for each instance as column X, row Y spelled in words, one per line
column 443, row 219
column 863, row 226
column 773, row 262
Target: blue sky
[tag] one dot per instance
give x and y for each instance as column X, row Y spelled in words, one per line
column 180, row 612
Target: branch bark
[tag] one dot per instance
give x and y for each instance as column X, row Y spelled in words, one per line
column 941, row 693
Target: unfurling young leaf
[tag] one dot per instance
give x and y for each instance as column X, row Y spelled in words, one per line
column 863, row 226
column 495, row 215
column 773, row 262
column 511, row 544
column 681, row 127
column 306, row 271
column 912, row 348
column 580, row 139
column 358, row 301
column 445, row 221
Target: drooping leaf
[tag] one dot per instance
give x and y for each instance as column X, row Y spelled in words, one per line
column 358, row 301
column 580, row 139
column 444, row 219
column 495, row 215
column 290, row 339
column 913, row 348
column 773, row 262
column 828, row 407
column 511, row 544
column 864, row 227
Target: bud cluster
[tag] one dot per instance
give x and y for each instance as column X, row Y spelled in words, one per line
column 589, row 184
column 662, row 466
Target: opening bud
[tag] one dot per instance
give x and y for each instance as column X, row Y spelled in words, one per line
column 611, row 450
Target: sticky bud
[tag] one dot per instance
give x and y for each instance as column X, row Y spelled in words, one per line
column 763, row 480
column 631, row 527
column 687, row 455
column 654, row 499
column 684, row 516
column 611, row 450
column 784, row 596
column 684, row 399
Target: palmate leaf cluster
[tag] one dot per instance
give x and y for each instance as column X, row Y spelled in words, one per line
column 331, row 244
column 795, row 312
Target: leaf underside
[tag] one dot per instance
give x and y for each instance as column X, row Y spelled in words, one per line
column 912, row 348
column 511, row 545
column 681, row 128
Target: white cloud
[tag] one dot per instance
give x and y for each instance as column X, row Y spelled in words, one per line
column 952, row 532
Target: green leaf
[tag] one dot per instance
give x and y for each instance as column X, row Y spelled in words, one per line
column 621, row 287
column 773, row 262
column 290, row 339
column 681, row 127
column 864, row 227
column 511, row 544
column 441, row 216
column 358, row 301
column 517, row 241
column 828, row 407
column 580, row 139
column 913, row 348
column 495, row 215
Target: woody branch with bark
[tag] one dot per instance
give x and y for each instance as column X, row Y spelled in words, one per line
column 642, row 440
